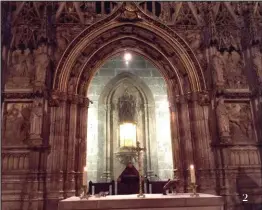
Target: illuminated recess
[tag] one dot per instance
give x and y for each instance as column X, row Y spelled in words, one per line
column 127, row 135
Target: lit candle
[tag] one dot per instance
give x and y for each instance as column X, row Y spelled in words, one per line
column 85, row 176
column 192, row 174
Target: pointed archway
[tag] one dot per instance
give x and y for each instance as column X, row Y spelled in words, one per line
column 128, row 28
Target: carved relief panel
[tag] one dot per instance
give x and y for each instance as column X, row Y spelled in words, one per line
column 229, row 70
column 28, row 69
column 234, row 74
column 16, row 124
column 21, row 70
column 240, row 121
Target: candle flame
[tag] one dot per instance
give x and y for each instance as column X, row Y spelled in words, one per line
column 85, row 168
column 192, row 166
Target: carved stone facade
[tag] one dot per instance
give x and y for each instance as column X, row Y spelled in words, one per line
column 209, row 54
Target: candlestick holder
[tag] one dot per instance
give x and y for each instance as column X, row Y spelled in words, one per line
column 193, row 187
column 139, row 150
column 85, row 194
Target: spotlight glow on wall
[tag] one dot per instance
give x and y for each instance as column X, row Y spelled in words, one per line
column 127, row 57
column 127, row 135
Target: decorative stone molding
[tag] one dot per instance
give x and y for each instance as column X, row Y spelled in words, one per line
column 236, row 93
column 21, row 95
column 203, row 98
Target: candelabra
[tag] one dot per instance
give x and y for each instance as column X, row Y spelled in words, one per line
column 193, row 187
column 139, row 150
column 85, row 194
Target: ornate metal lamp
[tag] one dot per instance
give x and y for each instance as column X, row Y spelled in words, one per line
column 127, row 111
column 127, row 137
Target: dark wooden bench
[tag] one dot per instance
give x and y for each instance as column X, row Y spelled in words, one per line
column 122, row 189
column 102, row 187
column 157, row 186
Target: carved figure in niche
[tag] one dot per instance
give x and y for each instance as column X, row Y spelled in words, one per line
column 16, row 125
column 257, row 62
column 240, row 121
column 21, row 69
column 42, row 61
column 36, row 119
column 234, row 76
column 126, row 107
column 223, row 120
column 219, row 68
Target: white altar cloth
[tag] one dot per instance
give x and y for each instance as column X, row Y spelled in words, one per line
column 181, row 201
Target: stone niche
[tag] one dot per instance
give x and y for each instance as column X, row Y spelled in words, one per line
column 142, row 81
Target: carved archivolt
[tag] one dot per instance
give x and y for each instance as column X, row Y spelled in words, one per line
column 92, row 45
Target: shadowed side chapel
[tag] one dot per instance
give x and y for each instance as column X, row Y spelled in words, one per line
column 131, row 98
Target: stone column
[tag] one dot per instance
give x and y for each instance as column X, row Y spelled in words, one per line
column 107, row 147
column 70, row 153
column 185, row 138
column 55, row 159
column 35, row 179
column 147, row 157
column 176, row 146
column 201, row 142
column 256, row 66
column 81, row 143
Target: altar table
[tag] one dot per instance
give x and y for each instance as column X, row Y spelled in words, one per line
column 181, row 201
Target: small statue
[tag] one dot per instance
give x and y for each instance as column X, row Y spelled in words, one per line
column 36, row 120
column 219, row 66
column 42, row 60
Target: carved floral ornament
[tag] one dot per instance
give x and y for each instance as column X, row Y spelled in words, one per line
column 109, row 39
column 202, row 98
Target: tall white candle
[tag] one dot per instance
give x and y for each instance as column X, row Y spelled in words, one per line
column 85, row 176
column 192, row 174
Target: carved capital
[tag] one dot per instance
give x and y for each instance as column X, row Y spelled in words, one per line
column 54, row 99
column 191, row 97
column 84, row 102
column 74, row 99
column 204, row 98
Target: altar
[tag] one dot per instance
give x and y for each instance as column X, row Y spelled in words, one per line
column 181, row 201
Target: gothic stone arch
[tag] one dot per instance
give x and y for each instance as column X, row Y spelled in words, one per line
column 127, row 28
column 107, row 113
